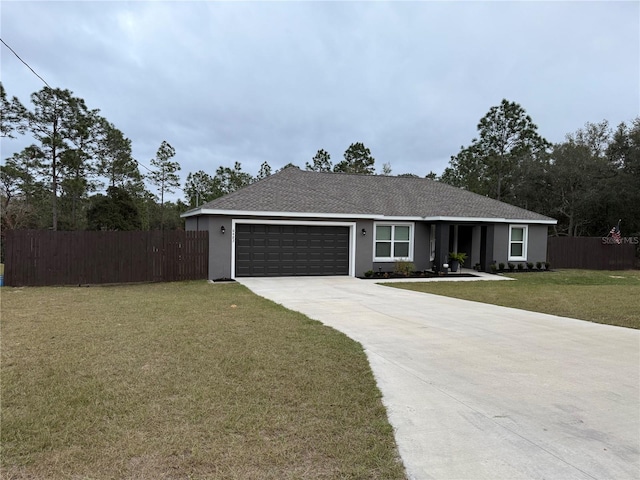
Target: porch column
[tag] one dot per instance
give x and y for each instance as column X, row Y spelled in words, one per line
column 455, row 239
column 442, row 246
column 486, row 247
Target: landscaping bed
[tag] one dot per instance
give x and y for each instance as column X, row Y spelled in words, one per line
column 518, row 267
column 424, row 274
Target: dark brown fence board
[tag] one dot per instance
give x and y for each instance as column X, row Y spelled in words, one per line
column 589, row 253
column 35, row 257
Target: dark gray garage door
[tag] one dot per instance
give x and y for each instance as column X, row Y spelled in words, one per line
column 291, row 250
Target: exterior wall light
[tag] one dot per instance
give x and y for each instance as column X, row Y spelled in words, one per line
column 364, row 232
column 222, row 229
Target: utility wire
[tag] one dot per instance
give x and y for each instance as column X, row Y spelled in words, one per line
column 28, row 66
column 45, row 82
column 140, row 163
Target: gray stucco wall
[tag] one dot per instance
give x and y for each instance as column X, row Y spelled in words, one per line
column 220, row 263
column 500, row 243
column 536, row 243
column 537, row 247
column 421, row 246
column 219, row 243
column 364, row 247
column 475, row 246
column 497, row 244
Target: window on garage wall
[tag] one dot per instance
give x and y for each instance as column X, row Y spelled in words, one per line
column 518, row 242
column 393, row 241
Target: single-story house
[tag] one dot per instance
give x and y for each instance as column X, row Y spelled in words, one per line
column 299, row 222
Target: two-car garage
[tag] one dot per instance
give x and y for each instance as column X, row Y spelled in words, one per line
column 278, row 249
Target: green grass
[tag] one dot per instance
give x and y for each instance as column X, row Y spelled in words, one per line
column 183, row 380
column 611, row 297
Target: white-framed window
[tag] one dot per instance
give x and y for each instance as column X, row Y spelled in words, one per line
column 393, row 241
column 518, row 242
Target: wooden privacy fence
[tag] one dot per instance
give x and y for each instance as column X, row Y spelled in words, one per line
column 594, row 253
column 37, row 257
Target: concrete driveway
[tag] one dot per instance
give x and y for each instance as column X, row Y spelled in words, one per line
column 478, row 391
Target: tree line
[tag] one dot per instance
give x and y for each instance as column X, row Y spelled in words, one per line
column 587, row 182
column 52, row 183
column 201, row 187
column 79, row 172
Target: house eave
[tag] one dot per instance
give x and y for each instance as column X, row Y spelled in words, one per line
column 540, row 221
column 382, row 218
column 261, row 213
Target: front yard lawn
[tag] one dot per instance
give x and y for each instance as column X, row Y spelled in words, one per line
column 183, row 380
column 611, row 297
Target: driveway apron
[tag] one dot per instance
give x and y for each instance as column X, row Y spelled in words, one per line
column 477, row 391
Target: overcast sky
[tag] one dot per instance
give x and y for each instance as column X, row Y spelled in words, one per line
column 276, row 81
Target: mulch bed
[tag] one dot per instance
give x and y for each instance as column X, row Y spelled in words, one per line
column 425, row 274
column 534, row 270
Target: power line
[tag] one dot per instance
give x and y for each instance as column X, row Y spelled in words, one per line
column 45, row 82
column 143, row 165
column 28, row 66
column 140, row 163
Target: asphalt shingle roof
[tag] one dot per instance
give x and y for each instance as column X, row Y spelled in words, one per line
column 300, row 191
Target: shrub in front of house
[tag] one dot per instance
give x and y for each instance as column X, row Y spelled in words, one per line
column 501, row 266
column 529, row 265
column 520, row 266
column 539, row 265
column 403, row 268
column 512, row 266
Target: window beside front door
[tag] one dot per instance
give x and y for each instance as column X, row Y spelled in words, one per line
column 432, row 243
column 518, row 242
column 393, row 242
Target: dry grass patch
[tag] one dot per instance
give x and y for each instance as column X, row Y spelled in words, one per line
column 610, row 297
column 183, row 380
